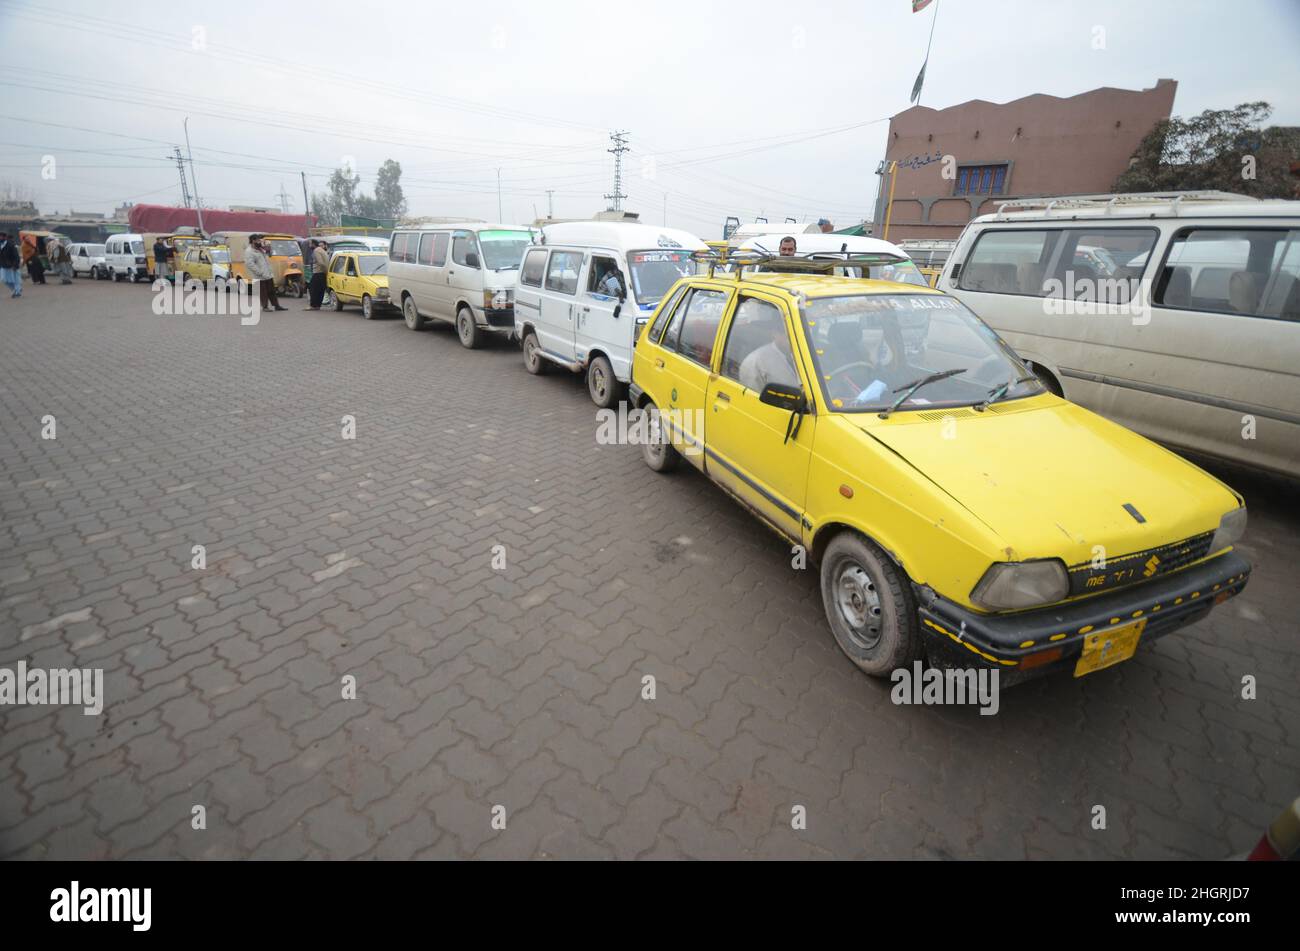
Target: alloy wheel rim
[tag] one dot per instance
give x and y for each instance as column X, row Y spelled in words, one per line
column 858, row 603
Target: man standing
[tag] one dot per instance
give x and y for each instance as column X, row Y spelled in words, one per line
column 160, row 268
column 10, row 266
column 61, row 261
column 320, row 261
column 36, row 263
column 259, row 270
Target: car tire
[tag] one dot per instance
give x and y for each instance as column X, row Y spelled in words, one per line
column 467, row 329
column 94, row 273
column 367, row 307
column 338, row 302
column 411, row 314
column 656, row 449
column 869, row 605
column 534, row 362
column 602, row 386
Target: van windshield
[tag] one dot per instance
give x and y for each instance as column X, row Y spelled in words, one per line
column 503, row 250
column 905, row 272
column 137, row 247
column 654, row 272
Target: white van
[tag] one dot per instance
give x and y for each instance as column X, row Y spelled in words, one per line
column 88, row 260
column 1177, row 315
column 585, row 291
column 462, row 273
column 124, row 258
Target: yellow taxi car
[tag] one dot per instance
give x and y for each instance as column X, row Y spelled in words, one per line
column 359, row 277
column 203, row 262
column 954, row 506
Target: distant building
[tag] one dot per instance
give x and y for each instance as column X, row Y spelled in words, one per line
column 18, row 216
column 1031, row 147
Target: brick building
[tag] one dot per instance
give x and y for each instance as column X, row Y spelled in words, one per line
column 1035, row 146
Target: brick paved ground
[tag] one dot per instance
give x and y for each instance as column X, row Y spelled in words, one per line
column 520, row 688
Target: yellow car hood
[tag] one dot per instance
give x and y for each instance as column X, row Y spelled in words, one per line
column 1052, row 479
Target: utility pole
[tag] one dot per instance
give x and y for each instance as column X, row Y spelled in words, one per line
column 550, row 203
column 284, row 199
column 306, row 205
column 180, row 167
column 198, row 202
column 620, row 146
column 500, row 215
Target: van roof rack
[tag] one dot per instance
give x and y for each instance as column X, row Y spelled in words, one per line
column 1168, row 202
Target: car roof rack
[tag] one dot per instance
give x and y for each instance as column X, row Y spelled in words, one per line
column 1154, row 202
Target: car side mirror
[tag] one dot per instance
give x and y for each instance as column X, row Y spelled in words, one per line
column 789, row 398
column 471, row 260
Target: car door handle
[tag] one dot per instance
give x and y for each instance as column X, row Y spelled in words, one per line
column 659, row 364
column 723, row 397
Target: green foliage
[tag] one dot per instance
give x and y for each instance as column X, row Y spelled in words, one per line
column 342, row 198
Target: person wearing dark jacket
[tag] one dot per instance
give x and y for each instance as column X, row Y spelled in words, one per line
column 36, row 263
column 11, row 263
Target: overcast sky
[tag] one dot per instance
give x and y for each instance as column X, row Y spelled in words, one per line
column 772, row 108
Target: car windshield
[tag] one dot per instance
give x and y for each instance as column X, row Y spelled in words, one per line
column 373, row 263
column 285, row 248
column 221, row 256
column 654, row 272
column 869, row 348
column 503, row 250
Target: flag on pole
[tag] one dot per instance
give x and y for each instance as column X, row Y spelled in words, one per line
column 919, row 5
column 920, row 80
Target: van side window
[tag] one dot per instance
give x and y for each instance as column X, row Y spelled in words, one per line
column 562, row 272
column 462, row 246
column 397, row 251
column 426, row 248
column 440, row 242
column 665, row 311
column 1232, row 271
column 534, row 266
column 599, row 280
column 1009, row 262
column 695, row 326
column 1103, row 265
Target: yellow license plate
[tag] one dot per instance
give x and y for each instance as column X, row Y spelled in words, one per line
column 1107, row 648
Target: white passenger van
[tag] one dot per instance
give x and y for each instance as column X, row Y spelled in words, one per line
column 462, row 273
column 1177, row 315
column 586, row 289
column 124, row 257
column 88, row 260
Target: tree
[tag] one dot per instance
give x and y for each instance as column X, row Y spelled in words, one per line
column 389, row 200
column 342, row 197
column 1227, row 150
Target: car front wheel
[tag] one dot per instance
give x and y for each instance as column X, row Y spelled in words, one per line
column 467, row 329
column 367, row 307
column 869, row 605
column 602, row 385
column 656, row 449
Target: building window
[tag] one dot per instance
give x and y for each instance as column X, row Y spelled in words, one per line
column 981, row 180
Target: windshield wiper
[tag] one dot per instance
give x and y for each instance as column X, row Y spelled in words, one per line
column 910, row 388
column 998, row 392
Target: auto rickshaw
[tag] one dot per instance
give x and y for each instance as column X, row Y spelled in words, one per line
column 285, row 256
column 178, row 242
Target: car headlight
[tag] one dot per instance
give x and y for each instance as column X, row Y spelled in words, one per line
column 1022, row 584
column 1231, row 527
column 381, row 292
column 496, row 300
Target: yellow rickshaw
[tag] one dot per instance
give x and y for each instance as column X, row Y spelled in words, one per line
column 178, row 242
column 285, row 257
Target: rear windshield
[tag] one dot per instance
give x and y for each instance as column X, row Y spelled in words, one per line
column 655, row 272
column 285, row 247
column 503, row 250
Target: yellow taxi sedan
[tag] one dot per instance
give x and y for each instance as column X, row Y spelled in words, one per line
column 954, row 506
column 359, row 277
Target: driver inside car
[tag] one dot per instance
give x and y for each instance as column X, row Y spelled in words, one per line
column 862, row 372
column 772, row 362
